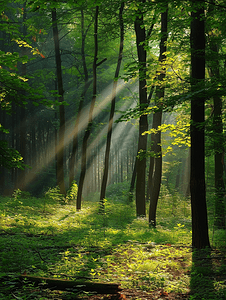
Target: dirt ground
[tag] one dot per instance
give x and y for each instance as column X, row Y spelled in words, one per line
column 132, row 294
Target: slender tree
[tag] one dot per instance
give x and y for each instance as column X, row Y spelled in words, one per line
column 21, row 178
column 82, row 97
column 60, row 148
column 200, row 237
column 157, row 121
column 90, row 118
column 110, row 124
column 143, row 121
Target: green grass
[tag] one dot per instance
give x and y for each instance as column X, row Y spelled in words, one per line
column 43, row 237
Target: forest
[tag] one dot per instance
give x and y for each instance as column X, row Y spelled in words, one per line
column 112, row 138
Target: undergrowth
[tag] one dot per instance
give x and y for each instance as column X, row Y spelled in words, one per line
column 48, row 237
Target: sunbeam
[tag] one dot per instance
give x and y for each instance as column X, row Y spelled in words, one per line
column 101, row 104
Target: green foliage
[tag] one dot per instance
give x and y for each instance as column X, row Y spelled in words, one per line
column 118, row 191
column 54, row 194
column 72, row 192
column 114, row 246
column 18, row 194
column 9, row 157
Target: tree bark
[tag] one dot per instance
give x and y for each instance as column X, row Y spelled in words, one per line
column 219, row 221
column 157, row 121
column 110, row 124
column 60, row 148
column 82, row 97
column 200, row 236
column 150, row 173
column 90, row 120
column 219, row 167
column 143, row 121
column 63, row 284
column 21, row 183
column 157, row 175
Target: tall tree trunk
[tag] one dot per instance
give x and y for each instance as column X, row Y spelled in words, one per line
column 21, row 183
column 200, row 236
column 60, row 148
column 82, row 97
column 219, row 167
column 110, row 124
column 218, row 131
column 90, row 120
column 157, row 121
column 143, row 121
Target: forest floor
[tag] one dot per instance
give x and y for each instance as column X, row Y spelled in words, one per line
column 43, row 238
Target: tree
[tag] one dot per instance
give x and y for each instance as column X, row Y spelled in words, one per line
column 90, row 119
column 110, row 124
column 143, row 103
column 157, row 120
column 217, row 126
column 86, row 86
column 200, row 237
column 60, row 150
column 21, row 178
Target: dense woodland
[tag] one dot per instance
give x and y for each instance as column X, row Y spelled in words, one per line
column 116, row 100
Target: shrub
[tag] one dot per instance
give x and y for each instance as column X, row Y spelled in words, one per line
column 54, row 194
column 72, row 192
column 18, row 194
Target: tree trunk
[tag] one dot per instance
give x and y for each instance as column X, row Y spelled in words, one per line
column 82, row 97
column 157, row 121
column 200, row 236
column 21, row 183
column 90, row 120
column 110, row 124
column 219, row 167
column 157, row 175
column 64, row 285
column 2, row 138
column 151, row 171
column 60, row 148
column 143, row 121
column 218, row 132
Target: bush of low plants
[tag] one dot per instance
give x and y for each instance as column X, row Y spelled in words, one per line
column 72, row 192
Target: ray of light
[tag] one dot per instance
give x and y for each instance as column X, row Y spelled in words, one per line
column 102, row 102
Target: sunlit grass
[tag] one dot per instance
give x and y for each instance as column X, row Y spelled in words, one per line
column 47, row 238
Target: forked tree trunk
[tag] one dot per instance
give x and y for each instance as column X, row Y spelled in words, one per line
column 90, row 119
column 110, row 124
column 200, row 236
column 60, row 148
